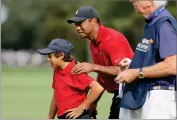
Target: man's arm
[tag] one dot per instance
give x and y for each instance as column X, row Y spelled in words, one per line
column 88, row 67
column 53, row 109
column 161, row 69
column 110, row 70
column 113, row 70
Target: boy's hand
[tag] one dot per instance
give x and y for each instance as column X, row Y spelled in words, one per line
column 82, row 68
column 74, row 113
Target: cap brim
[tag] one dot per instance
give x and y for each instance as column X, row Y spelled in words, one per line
column 45, row 51
column 76, row 19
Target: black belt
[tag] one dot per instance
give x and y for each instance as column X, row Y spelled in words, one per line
column 163, row 88
column 62, row 116
column 114, row 91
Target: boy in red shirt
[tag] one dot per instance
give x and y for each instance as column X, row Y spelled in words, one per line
column 70, row 98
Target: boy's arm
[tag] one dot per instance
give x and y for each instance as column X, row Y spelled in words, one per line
column 95, row 90
column 53, row 109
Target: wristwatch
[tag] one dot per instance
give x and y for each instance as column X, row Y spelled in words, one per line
column 140, row 74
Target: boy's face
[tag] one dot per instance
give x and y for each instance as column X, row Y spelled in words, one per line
column 55, row 61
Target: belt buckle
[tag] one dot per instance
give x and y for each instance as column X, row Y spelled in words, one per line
column 156, row 87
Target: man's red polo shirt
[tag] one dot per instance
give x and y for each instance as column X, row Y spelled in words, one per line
column 69, row 90
column 110, row 48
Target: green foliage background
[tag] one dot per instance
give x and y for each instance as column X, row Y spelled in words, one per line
column 31, row 24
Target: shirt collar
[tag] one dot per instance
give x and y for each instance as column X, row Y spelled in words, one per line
column 154, row 14
column 68, row 68
column 100, row 35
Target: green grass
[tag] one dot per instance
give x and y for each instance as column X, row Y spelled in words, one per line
column 26, row 93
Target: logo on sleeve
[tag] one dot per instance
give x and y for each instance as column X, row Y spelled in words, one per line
column 144, row 45
column 117, row 60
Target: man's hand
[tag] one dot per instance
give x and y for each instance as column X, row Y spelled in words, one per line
column 124, row 64
column 82, row 68
column 127, row 76
column 74, row 113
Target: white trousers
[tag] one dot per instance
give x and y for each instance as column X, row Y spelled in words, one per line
column 159, row 104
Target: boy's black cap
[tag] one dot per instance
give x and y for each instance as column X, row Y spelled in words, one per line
column 84, row 13
column 57, row 46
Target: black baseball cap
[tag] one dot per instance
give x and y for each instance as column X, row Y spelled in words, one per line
column 84, row 13
column 57, row 46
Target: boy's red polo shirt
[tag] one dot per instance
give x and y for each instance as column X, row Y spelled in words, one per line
column 69, row 90
column 110, row 48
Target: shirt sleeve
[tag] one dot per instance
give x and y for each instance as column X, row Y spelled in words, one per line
column 118, row 49
column 82, row 81
column 167, row 40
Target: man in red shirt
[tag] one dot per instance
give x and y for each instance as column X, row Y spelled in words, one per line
column 108, row 47
column 70, row 98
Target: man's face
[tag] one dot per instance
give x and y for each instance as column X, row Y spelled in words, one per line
column 84, row 28
column 141, row 6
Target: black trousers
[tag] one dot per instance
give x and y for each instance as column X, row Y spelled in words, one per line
column 115, row 106
column 85, row 115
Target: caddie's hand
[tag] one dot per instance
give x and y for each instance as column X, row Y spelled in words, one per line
column 124, row 64
column 82, row 68
column 74, row 113
column 127, row 76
